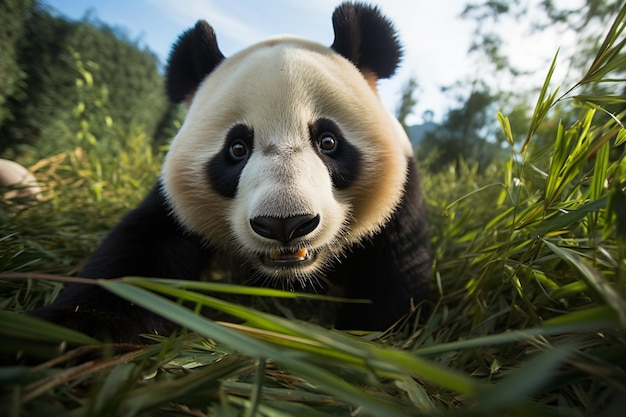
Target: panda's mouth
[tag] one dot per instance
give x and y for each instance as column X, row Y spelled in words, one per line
column 287, row 257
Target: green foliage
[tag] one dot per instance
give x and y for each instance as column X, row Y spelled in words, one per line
column 528, row 315
column 86, row 191
column 13, row 15
column 513, row 85
column 465, row 133
column 407, row 102
column 61, row 61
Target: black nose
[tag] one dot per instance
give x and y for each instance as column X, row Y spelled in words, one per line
column 285, row 229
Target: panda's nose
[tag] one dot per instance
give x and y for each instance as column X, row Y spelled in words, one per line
column 285, row 229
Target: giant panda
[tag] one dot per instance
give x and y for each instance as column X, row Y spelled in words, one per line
column 288, row 165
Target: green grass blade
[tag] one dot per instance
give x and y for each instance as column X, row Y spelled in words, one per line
column 594, row 279
column 569, row 218
column 543, row 105
column 505, row 125
column 589, row 320
column 530, row 378
column 234, row 289
column 23, row 326
column 607, row 48
column 198, row 385
column 330, row 341
column 254, row 348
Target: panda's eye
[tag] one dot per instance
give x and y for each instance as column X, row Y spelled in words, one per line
column 238, row 150
column 327, row 142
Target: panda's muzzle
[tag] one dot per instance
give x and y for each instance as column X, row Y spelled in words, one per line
column 285, row 230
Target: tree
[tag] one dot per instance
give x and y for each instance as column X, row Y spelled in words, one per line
column 514, row 95
column 467, row 133
column 407, row 102
column 78, row 72
column 13, row 15
column 585, row 23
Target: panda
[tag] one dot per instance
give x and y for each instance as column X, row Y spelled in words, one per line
column 288, row 165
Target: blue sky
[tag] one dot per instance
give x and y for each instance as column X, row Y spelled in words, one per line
column 436, row 40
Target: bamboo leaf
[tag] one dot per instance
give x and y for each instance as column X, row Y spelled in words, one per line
column 23, row 326
column 607, row 48
column 381, row 359
column 602, row 100
column 531, row 377
column 564, row 220
column 588, row 320
column 594, row 279
column 621, row 137
column 219, row 287
column 543, row 105
column 600, row 171
column 505, row 125
column 594, row 319
column 199, row 384
column 254, row 348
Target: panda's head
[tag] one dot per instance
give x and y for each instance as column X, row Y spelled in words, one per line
column 287, row 157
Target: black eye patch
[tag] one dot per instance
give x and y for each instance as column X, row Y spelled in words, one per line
column 342, row 158
column 224, row 169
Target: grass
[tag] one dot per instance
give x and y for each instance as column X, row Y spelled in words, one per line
column 528, row 312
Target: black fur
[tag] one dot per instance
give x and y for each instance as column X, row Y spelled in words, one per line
column 222, row 169
column 148, row 242
column 193, row 57
column 367, row 39
column 344, row 161
column 391, row 269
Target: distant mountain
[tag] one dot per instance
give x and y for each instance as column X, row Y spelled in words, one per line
column 417, row 132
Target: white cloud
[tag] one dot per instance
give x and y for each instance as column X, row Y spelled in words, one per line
column 233, row 29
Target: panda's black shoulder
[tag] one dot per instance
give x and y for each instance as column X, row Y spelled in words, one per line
column 391, row 268
column 141, row 239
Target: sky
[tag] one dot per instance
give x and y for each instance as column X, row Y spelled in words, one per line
column 435, row 38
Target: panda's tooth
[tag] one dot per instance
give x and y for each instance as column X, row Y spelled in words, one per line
column 278, row 255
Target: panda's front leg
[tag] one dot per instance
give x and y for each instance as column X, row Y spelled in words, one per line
column 392, row 269
column 148, row 242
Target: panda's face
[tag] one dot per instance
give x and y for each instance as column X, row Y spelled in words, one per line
column 286, row 159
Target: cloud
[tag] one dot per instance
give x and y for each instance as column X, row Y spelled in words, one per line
column 235, row 31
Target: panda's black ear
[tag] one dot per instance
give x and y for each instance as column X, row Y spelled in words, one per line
column 192, row 58
column 366, row 38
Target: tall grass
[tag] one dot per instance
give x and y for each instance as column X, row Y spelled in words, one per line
column 528, row 315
